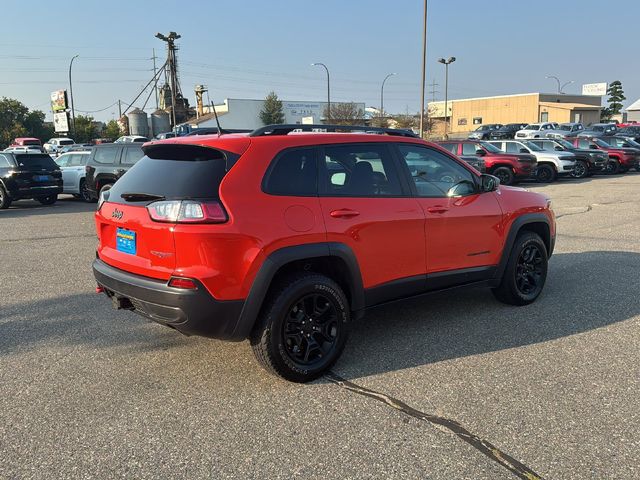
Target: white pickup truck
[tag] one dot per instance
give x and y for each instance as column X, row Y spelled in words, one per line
column 72, row 165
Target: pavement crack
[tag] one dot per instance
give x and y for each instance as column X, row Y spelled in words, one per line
column 448, row 425
column 588, row 209
column 52, row 237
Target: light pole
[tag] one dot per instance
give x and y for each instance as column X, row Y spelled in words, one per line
column 424, row 69
column 382, row 95
column 560, row 87
column 73, row 112
column 446, row 64
column 318, row 64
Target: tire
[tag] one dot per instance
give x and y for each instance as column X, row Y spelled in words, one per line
column 505, row 174
column 581, row 170
column 290, row 321
column 526, row 271
column 638, row 167
column 48, row 200
column 5, row 200
column 85, row 194
column 612, row 167
column 545, row 173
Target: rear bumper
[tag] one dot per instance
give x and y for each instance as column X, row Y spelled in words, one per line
column 17, row 192
column 192, row 312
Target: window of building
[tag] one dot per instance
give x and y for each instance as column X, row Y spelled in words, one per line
column 462, row 121
column 544, row 116
column 477, row 120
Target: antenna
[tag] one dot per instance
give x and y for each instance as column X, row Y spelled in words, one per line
column 217, row 121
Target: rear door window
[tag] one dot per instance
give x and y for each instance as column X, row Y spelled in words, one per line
column 452, row 147
column 107, row 155
column 77, row 160
column 513, row 148
column 131, row 155
column 293, row 172
column 469, row 148
column 583, row 143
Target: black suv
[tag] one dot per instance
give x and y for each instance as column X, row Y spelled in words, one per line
column 507, row 131
column 588, row 161
column 107, row 163
column 30, row 175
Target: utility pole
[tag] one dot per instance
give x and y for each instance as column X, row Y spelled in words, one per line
column 433, row 90
column 119, row 110
column 446, row 64
column 73, row 112
column 424, row 69
column 155, row 73
column 172, row 68
column 318, row 64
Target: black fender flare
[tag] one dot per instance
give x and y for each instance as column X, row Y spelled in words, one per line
column 282, row 257
column 516, row 226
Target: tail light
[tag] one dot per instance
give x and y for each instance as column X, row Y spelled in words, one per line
column 184, row 283
column 187, row 211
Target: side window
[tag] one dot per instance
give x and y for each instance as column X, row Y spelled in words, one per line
column 106, row 155
column 513, row 147
column 293, row 172
column 359, row 171
column 469, row 148
column 452, row 147
column 4, row 161
column 63, row 161
column 435, row 174
column 131, row 155
column 583, row 143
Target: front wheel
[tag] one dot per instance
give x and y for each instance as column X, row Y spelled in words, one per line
column 303, row 328
column 612, row 167
column 48, row 200
column 581, row 170
column 526, row 271
column 5, row 199
column 546, row 174
column 504, row 174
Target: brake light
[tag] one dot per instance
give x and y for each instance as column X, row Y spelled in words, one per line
column 184, row 283
column 187, row 211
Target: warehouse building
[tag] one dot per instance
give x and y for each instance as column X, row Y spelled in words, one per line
column 633, row 112
column 467, row 114
column 243, row 113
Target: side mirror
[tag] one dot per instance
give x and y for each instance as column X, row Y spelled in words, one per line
column 489, row 183
column 559, row 148
column 480, row 152
column 524, row 150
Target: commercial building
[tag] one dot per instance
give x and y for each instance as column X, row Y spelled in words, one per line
column 467, row 114
column 243, row 113
column 633, row 112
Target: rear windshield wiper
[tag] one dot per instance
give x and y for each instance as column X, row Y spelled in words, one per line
column 140, row 197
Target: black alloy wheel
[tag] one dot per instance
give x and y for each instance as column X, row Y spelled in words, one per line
column 612, row 167
column 581, row 170
column 311, row 329
column 5, row 200
column 545, row 174
column 84, row 192
column 529, row 270
column 505, row 175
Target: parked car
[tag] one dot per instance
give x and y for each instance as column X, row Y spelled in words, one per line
column 132, row 139
column 550, row 164
column 192, row 255
column 599, row 130
column 565, row 130
column 476, row 162
column 108, row 162
column 26, row 142
column 34, row 149
column 631, row 131
column 588, row 161
column 214, row 131
column 535, row 130
column 77, row 147
column 506, row 131
column 55, row 145
column 623, row 143
column 483, row 131
column 73, row 169
column 620, row 159
column 509, row 168
column 165, row 135
column 24, row 176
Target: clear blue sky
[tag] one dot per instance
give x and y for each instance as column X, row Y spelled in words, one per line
column 244, row 49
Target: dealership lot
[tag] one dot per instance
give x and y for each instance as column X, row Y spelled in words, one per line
column 87, row 391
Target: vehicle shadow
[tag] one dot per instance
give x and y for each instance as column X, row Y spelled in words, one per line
column 28, row 208
column 584, row 291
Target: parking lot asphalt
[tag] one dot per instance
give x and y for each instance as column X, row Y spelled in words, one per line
column 86, row 391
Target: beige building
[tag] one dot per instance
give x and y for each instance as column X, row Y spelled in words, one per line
column 469, row 113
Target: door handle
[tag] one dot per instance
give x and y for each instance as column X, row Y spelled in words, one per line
column 437, row 209
column 344, row 213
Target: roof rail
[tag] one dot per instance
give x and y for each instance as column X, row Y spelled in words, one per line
column 285, row 129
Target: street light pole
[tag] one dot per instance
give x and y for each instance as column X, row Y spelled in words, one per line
column 382, row 95
column 446, row 90
column 424, row 69
column 328, row 88
column 560, row 87
column 73, row 112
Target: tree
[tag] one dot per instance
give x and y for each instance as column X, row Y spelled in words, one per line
column 616, row 97
column 345, row 113
column 85, row 129
column 271, row 112
column 112, row 130
column 17, row 121
column 404, row 120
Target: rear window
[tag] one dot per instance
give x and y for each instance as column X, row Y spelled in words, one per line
column 106, row 155
column 66, row 142
column 174, row 172
column 36, row 162
column 31, row 142
column 131, row 155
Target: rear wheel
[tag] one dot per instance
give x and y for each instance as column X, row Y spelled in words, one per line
column 526, row 271
column 48, row 200
column 504, row 174
column 545, row 173
column 581, row 170
column 5, row 200
column 303, row 328
column 612, row 167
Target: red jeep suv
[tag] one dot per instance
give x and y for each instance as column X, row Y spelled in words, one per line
column 508, row 167
column 284, row 236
